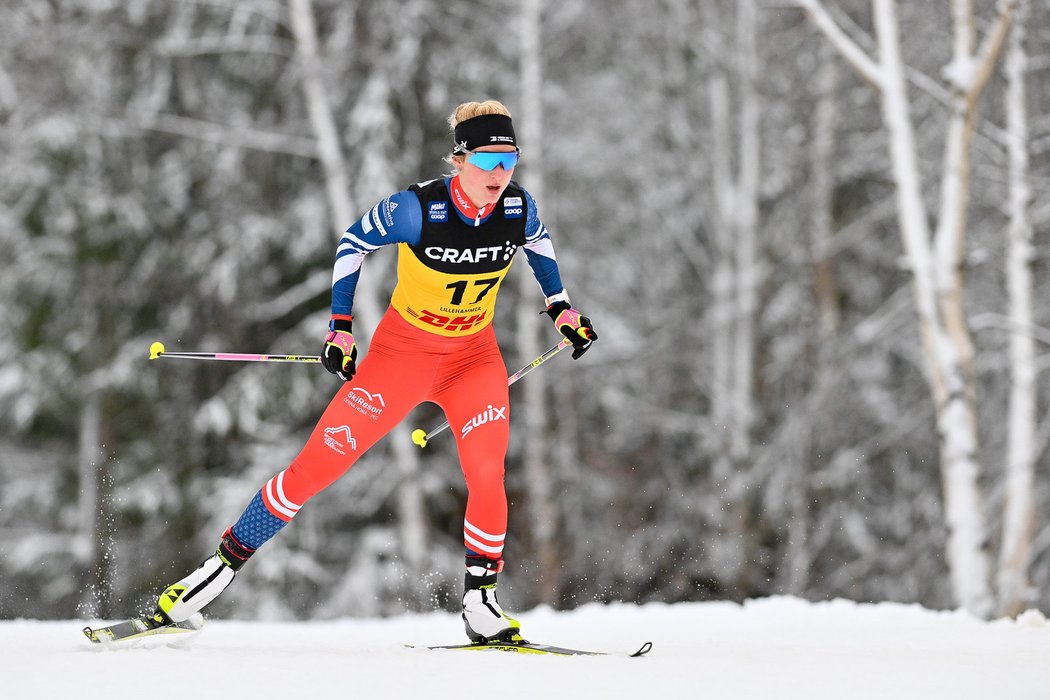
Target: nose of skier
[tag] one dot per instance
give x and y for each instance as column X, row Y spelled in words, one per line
column 485, row 186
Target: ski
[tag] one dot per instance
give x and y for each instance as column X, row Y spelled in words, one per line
column 145, row 626
column 524, row 647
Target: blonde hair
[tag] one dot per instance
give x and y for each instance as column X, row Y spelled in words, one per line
column 469, row 110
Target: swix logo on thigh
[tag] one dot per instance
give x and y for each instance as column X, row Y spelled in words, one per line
column 370, row 404
column 344, row 439
column 489, row 415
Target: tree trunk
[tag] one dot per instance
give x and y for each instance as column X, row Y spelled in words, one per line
column 1015, row 556
column 797, row 558
column 735, row 277
column 938, row 292
column 411, row 513
column 734, row 284
column 537, row 464
column 822, row 184
column 723, row 276
column 746, row 233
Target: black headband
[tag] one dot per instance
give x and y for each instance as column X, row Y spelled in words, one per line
column 484, row 130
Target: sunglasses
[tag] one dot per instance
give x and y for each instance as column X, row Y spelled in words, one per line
column 488, row 160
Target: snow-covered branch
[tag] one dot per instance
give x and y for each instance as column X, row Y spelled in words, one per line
column 991, row 48
column 850, row 49
column 226, row 135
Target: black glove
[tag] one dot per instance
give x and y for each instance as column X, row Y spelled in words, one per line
column 339, row 354
column 573, row 326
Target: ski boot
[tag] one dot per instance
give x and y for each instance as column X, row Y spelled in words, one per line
column 182, row 600
column 484, row 619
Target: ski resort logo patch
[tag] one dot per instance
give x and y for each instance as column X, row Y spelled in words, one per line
column 489, row 415
column 338, row 439
column 365, row 402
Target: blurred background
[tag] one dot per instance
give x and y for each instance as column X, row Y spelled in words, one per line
column 774, row 406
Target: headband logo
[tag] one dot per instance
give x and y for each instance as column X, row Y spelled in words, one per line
column 482, row 130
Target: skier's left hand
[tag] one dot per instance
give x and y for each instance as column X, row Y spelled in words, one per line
column 572, row 325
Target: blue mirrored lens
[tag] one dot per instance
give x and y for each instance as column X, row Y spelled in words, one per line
column 489, row 160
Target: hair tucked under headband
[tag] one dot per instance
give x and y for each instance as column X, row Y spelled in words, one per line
column 484, row 130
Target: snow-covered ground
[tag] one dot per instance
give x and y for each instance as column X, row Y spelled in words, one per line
column 772, row 648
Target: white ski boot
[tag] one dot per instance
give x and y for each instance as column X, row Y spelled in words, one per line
column 484, row 619
column 180, row 601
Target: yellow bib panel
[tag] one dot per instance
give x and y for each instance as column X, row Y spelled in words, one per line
column 452, row 304
column 448, row 282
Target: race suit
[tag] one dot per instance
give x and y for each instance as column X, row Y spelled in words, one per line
column 435, row 343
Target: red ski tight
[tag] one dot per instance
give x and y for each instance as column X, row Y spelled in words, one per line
column 404, row 367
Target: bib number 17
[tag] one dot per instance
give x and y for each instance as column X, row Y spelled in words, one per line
column 460, row 288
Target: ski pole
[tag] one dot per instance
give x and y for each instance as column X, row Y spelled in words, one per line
column 157, row 350
column 421, row 437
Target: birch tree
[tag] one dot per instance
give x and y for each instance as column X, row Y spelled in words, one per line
column 825, row 284
column 735, row 164
column 935, row 258
column 736, row 178
column 413, row 525
column 1019, row 508
column 536, row 455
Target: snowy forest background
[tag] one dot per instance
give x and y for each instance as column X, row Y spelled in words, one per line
column 812, row 236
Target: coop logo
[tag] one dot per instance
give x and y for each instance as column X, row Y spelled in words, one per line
column 512, row 208
column 489, row 415
column 438, row 211
column 470, row 255
column 338, row 439
column 370, row 404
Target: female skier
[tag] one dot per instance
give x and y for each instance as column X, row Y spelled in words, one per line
column 456, row 238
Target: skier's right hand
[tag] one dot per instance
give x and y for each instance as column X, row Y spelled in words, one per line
column 339, row 354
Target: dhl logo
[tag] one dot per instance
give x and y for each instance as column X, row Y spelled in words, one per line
column 451, row 323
